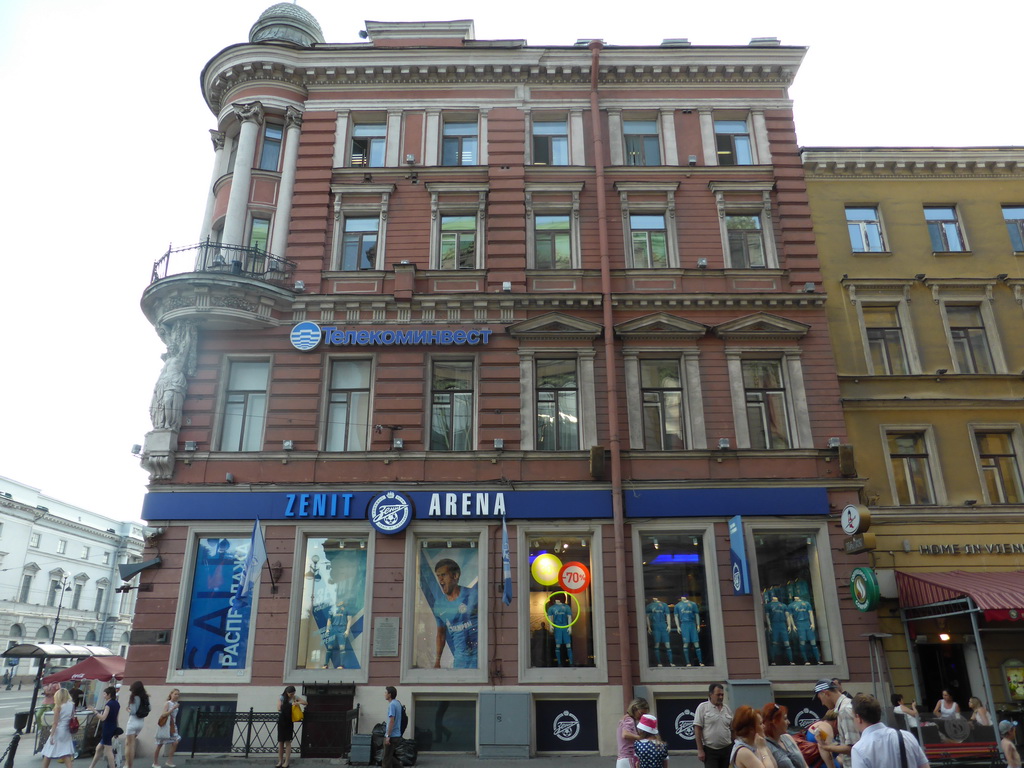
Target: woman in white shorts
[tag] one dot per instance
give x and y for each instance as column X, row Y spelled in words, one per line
column 138, row 708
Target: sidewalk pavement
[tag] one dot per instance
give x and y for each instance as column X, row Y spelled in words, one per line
column 25, row 759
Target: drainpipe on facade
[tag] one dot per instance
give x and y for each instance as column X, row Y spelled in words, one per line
column 614, row 443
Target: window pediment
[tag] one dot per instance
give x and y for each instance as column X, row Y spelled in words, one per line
column 81, row 578
column 761, row 326
column 31, row 568
column 660, row 326
column 555, row 325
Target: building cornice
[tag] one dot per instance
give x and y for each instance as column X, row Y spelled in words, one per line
column 912, row 162
column 332, row 66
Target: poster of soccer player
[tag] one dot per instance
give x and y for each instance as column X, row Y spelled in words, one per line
column 217, row 633
column 331, row 624
column 446, row 615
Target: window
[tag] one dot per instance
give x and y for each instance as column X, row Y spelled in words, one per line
column 270, row 152
column 944, row 229
column 348, row 412
column 458, row 242
column 865, row 229
column 215, row 564
column 550, row 142
column 85, row 553
column 259, row 236
column 368, row 140
column 792, row 594
column 767, row 418
column 908, row 461
column 746, row 243
column 359, row 243
column 245, row 406
column 552, row 242
column 459, row 143
column 451, row 723
column 33, row 541
column 451, row 410
column 1000, row 470
column 677, row 615
column 732, row 140
column 561, row 625
column 106, row 558
column 648, row 238
column 446, row 608
column 642, row 146
column 26, row 586
column 51, row 595
column 62, row 546
column 332, row 629
column 76, row 599
column 557, row 401
column 1, row 530
column 885, row 339
column 100, row 593
column 1014, row 216
column 662, row 394
column 970, row 341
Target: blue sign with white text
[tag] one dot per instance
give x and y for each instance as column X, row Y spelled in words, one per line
column 307, row 335
column 738, row 557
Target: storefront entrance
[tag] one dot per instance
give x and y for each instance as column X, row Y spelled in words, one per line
column 943, row 667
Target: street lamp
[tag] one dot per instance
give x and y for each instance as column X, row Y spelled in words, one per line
column 63, row 587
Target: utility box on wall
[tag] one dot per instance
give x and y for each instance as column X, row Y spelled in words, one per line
column 753, row 693
column 504, row 725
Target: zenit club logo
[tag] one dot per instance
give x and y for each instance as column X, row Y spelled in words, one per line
column 306, row 336
column 390, row 512
column 684, row 725
column 567, row 726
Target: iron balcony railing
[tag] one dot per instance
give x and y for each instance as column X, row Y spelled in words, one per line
column 211, row 257
column 319, row 734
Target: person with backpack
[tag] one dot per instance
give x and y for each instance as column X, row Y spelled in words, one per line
column 138, row 708
column 393, row 731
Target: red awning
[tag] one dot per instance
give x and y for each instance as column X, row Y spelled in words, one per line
column 93, row 668
column 999, row 594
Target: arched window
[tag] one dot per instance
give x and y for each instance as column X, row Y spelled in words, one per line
column 90, row 636
column 17, row 632
column 43, row 634
column 69, row 635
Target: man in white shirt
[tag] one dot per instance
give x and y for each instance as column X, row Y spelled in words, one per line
column 846, row 731
column 712, row 727
column 879, row 745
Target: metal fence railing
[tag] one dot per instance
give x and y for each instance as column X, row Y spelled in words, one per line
column 245, row 261
column 319, row 734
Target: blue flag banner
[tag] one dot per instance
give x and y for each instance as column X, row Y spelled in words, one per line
column 254, row 562
column 506, row 565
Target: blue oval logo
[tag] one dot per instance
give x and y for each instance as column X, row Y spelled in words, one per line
column 390, row 512
column 306, row 336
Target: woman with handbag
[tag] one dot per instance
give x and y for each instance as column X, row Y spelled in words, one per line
column 60, row 744
column 167, row 730
column 107, row 725
column 289, row 712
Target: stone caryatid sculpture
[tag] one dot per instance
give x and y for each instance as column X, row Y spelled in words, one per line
column 169, row 398
column 179, row 363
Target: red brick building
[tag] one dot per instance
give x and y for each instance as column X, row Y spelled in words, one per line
column 447, row 281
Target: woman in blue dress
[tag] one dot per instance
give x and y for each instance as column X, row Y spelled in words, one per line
column 108, row 724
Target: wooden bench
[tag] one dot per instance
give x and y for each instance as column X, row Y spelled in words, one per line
column 975, row 753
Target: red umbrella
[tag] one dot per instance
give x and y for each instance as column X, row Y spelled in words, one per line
column 93, row 668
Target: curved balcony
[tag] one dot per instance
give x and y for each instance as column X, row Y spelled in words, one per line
column 221, row 286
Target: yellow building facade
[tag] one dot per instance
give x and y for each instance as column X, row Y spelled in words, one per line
column 922, row 255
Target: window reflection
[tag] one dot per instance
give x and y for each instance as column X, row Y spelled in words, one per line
column 333, row 595
column 561, row 624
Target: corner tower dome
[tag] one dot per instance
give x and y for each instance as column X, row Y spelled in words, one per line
column 289, row 23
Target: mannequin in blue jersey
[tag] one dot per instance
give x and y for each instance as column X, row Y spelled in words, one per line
column 657, row 627
column 559, row 616
column 687, row 614
column 806, row 632
column 779, row 624
column 337, row 633
column 455, row 610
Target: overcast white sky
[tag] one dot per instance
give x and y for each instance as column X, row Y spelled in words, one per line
column 108, row 157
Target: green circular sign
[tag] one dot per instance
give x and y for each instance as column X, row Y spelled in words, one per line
column 864, row 588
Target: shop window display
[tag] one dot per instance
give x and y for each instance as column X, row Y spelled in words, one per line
column 331, row 625
column 789, row 572
column 446, row 614
column 675, row 600
column 561, row 622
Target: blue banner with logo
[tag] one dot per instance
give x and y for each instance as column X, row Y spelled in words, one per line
column 738, row 557
column 217, row 632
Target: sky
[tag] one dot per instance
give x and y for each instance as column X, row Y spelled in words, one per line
column 109, row 157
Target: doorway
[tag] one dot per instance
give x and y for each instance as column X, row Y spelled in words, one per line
column 943, row 667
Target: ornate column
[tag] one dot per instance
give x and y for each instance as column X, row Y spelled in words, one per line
column 251, row 117
column 292, row 127
column 219, row 158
